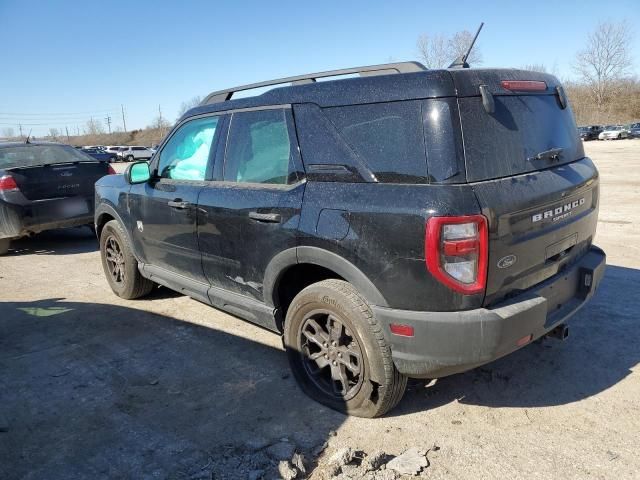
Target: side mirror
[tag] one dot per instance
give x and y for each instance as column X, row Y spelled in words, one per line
column 138, row 173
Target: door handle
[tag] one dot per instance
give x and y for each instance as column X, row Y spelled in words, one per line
column 265, row 217
column 179, row 204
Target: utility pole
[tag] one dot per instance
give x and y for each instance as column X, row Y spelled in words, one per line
column 67, row 130
column 108, row 120
column 20, row 128
column 160, row 123
column 124, row 122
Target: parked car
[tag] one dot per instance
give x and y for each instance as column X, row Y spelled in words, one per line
column 100, row 154
column 614, row 132
column 113, row 150
column 634, row 130
column 45, row 186
column 348, row 216
column 590, row 132
column 129, row 154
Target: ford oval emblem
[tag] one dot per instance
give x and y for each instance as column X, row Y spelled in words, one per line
column 508, row 261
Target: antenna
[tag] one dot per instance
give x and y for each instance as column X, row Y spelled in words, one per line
column 461, row 62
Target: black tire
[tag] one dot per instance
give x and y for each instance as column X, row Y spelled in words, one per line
column 4, row 245
column 373, row 385
column 130, row 158
column 119, row 264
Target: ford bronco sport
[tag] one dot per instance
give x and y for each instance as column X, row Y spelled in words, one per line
column 400, row 223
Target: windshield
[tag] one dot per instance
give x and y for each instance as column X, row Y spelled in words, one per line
column 32, row 155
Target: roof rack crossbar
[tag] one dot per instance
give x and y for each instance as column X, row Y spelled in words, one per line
column 383, row 69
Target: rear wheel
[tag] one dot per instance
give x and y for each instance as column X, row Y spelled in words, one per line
column 337, row 351
column 4, row 245
column 119, row 264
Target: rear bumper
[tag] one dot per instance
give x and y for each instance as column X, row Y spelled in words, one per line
column 445, row 343
column 19, row 220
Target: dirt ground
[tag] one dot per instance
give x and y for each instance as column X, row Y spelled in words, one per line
column 92, row 386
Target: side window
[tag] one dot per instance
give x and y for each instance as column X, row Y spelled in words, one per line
column 186, row 154
column 388, row 137
column 259, row 149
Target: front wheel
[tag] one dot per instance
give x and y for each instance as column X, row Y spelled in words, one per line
column 337, row 351
column 4, row 245
column 119, row 264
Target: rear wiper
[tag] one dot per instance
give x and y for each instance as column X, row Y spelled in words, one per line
column 551, row 154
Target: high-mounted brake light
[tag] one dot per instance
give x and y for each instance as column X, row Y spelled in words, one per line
column 524, row 85
column 8, row 184
column 456, row 252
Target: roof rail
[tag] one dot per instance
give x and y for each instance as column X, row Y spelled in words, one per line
column 383, row 69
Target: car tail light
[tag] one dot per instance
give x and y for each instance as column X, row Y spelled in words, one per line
column 524, row 85
column 8, row 184
column 456, row 252
column 110, row 170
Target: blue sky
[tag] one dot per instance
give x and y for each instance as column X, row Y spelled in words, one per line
column 84, row 58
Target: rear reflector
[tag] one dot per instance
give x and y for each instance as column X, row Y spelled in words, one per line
column 7, row 184
column 524, row 340
column 456, row 251
column 524, row 85
column 402, row 330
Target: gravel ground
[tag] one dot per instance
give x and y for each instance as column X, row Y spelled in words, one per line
column 92, row 386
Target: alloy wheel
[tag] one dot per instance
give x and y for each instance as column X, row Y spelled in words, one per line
column 331, row 355
column 115, row 259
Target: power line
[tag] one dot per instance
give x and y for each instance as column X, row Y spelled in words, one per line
column 53, row 114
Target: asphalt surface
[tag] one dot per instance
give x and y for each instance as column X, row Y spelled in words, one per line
column 92, row 386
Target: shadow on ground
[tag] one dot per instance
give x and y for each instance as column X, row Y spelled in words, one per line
column 56, row 242
column 103, row 391
column 601, row 351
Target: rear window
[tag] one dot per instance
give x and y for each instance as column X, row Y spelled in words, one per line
column 503, row 143
column 388, row 138
column 32, row 155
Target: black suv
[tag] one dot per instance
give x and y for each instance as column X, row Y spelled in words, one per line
column 590, row 132
column 403, row 223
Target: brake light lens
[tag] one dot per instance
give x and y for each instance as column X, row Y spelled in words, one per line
column 524, row 85
column 111, row 170
column 8, row 184
column 456, row 252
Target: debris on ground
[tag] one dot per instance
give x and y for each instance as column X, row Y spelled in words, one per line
column 410, row 462
column 286, row 470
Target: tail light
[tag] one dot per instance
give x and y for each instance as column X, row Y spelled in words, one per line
column 8, row 184
column 524, row 85
column 456, row 252
column 111, row 171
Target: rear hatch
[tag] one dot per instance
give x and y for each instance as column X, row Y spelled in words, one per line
column 526, row 164
column 52, row 171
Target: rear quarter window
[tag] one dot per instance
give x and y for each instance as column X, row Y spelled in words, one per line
column 387, row 137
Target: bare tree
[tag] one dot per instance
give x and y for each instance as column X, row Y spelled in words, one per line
column 605, row 60
column 160, row 123
column 188, row 105
column 434, row 51
column 438, row 51
column 94, row 127
column 459, row 44
column 8, row 132
column 54, row 132
column 535, row 67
